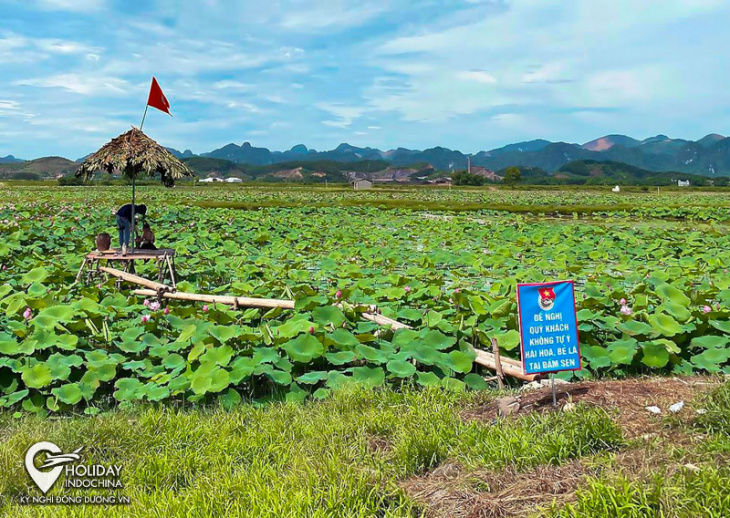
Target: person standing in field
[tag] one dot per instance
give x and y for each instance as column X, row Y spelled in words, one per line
column 124, row 222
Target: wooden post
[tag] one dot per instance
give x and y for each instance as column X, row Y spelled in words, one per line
column 510, row 367
column 78, row 275
column 171, row 268
column 498, row 363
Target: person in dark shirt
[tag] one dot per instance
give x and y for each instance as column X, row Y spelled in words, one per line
column 124, row 221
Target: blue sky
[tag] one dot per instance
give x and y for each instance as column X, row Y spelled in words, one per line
column 465, row 74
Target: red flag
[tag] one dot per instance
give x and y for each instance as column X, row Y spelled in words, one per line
column 157, row 99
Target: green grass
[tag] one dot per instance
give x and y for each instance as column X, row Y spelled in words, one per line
column 287, row 460
column 346, row 456
column 685, row 492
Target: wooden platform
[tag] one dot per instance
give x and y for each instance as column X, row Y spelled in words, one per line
column 163, row 257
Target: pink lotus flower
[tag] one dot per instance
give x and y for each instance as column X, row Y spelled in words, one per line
column 154, row 306
column 167, row 311
column 706, row 309
column 338, row 295
column 457, row 290
column 146, row 302
column 311, row 330
column 5, row 267
column 205, row 308
column 623, row 302
column 28, row 313
column 407, row 289
column 625, row 310
column 145, row 319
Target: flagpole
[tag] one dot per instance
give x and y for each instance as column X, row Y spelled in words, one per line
column 132, row 237
column 144, row 117
column 132, row 240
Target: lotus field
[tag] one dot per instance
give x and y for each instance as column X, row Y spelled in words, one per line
column 651, row 272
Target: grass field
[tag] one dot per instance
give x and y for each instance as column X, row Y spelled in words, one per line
column 314, row 411
column 374, row 453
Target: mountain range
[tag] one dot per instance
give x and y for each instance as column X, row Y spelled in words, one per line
column 709, row 156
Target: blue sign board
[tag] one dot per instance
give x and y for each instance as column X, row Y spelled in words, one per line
column 548, row 327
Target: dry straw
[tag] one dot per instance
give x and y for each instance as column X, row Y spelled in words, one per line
column 134, row 154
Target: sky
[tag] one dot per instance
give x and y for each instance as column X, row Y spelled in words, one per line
column 464, row 74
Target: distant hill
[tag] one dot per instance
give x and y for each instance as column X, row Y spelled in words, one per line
column 709, row 140
column 709, row 156
column 607, row 142
column 203, row 166
column 296, row 170
column 39, row 169
column 181, row 154
column 10, row 159
column 591, row 172
column 520, row 147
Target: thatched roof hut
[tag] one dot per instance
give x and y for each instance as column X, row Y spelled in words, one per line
column 134, row 154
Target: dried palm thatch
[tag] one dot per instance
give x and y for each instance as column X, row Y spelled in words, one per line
column 134, row 154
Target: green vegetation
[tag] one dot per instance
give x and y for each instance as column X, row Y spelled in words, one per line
column 512, row 176
column 466, row 179
column 451, row 277
column 320, row 459
column 351, row 454
column 314, row 171
column 592, row 172
column 317, row 412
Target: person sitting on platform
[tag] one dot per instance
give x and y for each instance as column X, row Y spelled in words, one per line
column 124, row 222
column 147, row 240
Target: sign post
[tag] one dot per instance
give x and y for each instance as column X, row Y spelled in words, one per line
column 548, row 328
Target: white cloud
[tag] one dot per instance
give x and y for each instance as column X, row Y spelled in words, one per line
column 9, row 105
column 317, row 15
column 56, row 46
column 80, row 84
column 547, row 55
column 547, row 73
column 17, row 48
column 70, row 5
column 232, row 85
column 345, row 113
column 480, row 76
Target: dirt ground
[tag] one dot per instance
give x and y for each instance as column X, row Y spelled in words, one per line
column 453, row 491
column 627, row 398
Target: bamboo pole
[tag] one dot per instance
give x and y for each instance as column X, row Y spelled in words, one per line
column 136, row 279
column 488, row 360
column 385, row 321
column 221, row 299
